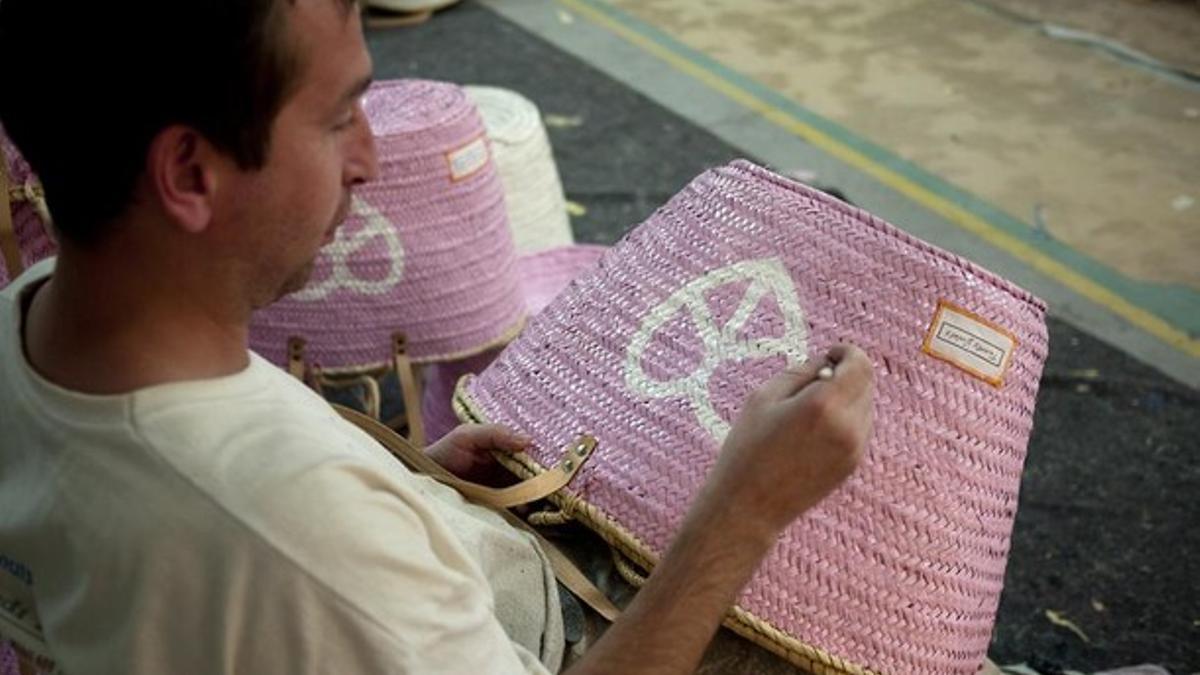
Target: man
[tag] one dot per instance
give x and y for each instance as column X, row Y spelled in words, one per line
column 184, row 507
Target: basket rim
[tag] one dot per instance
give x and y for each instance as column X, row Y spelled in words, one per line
column 739, row 620
column 874, row 222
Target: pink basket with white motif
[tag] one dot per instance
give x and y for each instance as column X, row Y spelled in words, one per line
column 654, row 350
column 25, row 232
column 426, row 252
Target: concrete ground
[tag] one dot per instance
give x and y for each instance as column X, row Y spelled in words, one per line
column 1163, row 30
column 1027, row 123
column 1154, row 320
column 1104, row 535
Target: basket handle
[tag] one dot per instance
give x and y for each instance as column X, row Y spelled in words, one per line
column 539, row 487
column 563, row 471
column 410, row 389
column 408, row 374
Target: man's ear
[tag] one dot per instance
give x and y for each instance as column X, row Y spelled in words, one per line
column 182, row 167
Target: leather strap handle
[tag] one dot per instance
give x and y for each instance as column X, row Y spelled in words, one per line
column 296, row 365
column 570, row 575
column 564, row 470
column 539, row 487
column 410, row 389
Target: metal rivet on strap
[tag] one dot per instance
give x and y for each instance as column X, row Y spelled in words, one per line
column 568, row 465
column 581, row 449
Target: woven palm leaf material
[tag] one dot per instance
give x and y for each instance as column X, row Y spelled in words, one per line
column 438, row 392
column 426, row 251
column 30, row 237
column 546, row 274
column 8, row 660
column 543, row 276
column 537, row 207
column 654, row 350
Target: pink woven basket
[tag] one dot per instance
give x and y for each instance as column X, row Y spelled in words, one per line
column 23, row 649
column 9, row 665
column 426, row 252
column 30, row 238
column 440, row 379
column 654, row 350
column 543, row 276
column 13, row 662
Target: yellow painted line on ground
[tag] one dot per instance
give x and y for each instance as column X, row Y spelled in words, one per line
column 968, row 221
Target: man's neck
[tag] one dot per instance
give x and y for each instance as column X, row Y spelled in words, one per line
column 99, row 328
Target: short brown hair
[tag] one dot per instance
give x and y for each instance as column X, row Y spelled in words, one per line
column 84, row 97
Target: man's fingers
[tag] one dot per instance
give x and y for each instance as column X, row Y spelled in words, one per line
column 844, row 369
column 493, row 437
column 789, row 381
column 852, row 369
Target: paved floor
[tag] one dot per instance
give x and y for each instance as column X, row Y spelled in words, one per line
column 1104, row 532
column 1164, row 31
column 971, row 97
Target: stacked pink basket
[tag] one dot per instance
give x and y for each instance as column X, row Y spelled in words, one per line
column 537, row 217
column 25, row 233
column 654, row 350
column 426, row 252
column 543, row 276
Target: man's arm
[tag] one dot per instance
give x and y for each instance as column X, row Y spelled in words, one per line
column 797, row 438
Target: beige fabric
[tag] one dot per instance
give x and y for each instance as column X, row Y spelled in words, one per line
column 532, row 489
column 540, row 486
column 239, row 525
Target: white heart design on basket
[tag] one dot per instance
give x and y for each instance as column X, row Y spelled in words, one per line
column 344, row 246
column 721, row 342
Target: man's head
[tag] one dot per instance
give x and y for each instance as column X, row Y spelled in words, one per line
column 233, row 124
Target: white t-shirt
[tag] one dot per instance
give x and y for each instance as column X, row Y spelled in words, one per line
column 239, row 525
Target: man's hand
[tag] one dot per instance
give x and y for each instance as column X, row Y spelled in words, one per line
column 467, row 452
column 796, row 439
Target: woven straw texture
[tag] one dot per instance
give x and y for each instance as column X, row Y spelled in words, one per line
column 31, row 220
column 11, row 662
column 440, row 379
column 537, row 207
column 653, row 351
column 546, row 274
column 426, row 251
column 543, row 276
column 8, row 659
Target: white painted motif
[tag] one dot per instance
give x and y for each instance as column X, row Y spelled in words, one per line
column 344, row 246
column 721, row 343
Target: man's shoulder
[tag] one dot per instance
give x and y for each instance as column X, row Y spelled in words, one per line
column 266, row 432
column 10, row 298
column 286, row 472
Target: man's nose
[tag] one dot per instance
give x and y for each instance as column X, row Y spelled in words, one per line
column 363, row 163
